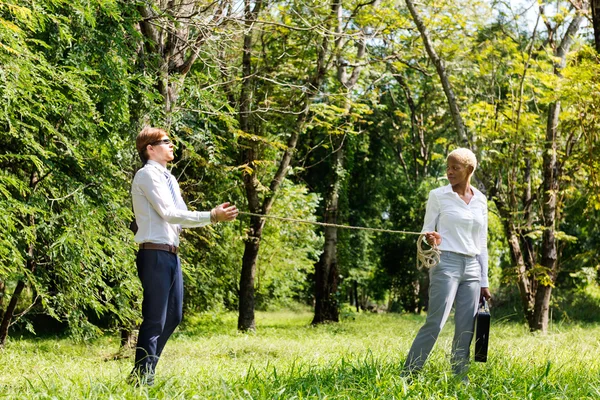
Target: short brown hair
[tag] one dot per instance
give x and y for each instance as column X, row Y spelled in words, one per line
column 147, row 136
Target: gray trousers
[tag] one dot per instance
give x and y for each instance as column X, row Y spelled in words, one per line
column 456, row 279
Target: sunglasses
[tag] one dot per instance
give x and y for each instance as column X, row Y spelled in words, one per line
column 162, row 141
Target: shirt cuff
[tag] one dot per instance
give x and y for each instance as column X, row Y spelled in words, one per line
column 203, row 216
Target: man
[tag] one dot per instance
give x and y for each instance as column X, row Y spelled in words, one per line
column 160, row 213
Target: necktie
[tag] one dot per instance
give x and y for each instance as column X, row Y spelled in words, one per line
column 174, row 195
column 171, row 189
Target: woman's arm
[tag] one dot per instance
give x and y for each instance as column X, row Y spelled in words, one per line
column 432, row 213
column 483, row 256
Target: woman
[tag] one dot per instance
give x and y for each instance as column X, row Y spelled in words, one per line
column 456, row 221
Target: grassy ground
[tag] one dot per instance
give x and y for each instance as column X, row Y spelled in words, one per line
column 360, row 358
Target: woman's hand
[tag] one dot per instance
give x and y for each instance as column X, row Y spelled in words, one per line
column 433, row 238
column 486, row 294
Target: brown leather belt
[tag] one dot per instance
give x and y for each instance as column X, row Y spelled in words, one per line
column 158, row 246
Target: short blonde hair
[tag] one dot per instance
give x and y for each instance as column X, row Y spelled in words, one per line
column 464, row 156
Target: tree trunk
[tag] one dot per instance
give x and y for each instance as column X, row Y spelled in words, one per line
column 552, row 175
column 246, row 296
column 527, row 201
column 549, row 196
column 523, row 281
column 30, row 265
column 2, row 294
column 246, row 320
column 595, row 4
column 326, row 269
column 127, row 338
column 355, row 287
column 14, row 299
column 542, row 309
column 326, row 280
column 10, row 311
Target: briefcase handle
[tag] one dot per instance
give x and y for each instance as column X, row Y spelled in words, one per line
column 484, row 306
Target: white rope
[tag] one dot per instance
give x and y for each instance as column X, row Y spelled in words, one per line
column 427, row 258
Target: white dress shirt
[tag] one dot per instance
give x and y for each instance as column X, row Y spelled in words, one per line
column 158, row 214
column 463, row 226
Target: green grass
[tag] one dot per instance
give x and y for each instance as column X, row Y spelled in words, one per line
column 360, row 358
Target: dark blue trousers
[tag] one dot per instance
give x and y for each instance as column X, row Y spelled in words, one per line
column 162, row 281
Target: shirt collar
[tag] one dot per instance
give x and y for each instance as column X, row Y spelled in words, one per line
column 157, row 165
column 448, row 189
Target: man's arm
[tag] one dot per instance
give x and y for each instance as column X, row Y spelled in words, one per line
column 157, row 192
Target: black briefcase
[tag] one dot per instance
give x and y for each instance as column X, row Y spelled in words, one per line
column 482, row 332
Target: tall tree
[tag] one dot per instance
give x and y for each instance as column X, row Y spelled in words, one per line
column 254, row 189
column 326, row 269
column 251, row 184
column 527, row 159
column 552, row 173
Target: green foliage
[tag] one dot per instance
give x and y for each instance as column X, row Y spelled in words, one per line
column 208, row 141
column 77, row 82
column 63, row 164
column 579, row 305
column 289, row 251
column 211, row 258
column 518, row 83
column 499, row 255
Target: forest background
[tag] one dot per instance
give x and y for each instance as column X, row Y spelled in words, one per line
column 339, row 111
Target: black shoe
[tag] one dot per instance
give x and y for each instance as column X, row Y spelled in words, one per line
column 140, row 378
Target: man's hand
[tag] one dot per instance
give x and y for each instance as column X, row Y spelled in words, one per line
column 224, row 212
column 433, row 237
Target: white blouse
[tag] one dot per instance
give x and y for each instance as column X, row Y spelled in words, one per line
column 463, row 226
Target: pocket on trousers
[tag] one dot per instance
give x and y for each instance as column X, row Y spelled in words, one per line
column 473, row 271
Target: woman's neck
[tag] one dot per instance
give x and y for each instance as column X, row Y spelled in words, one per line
column 462, row 189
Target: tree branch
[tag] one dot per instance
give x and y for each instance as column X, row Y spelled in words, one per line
column 441, row 70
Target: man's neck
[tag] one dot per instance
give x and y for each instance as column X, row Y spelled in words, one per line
column 163, row 163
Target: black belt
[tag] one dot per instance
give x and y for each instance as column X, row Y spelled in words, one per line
column 158, row 246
